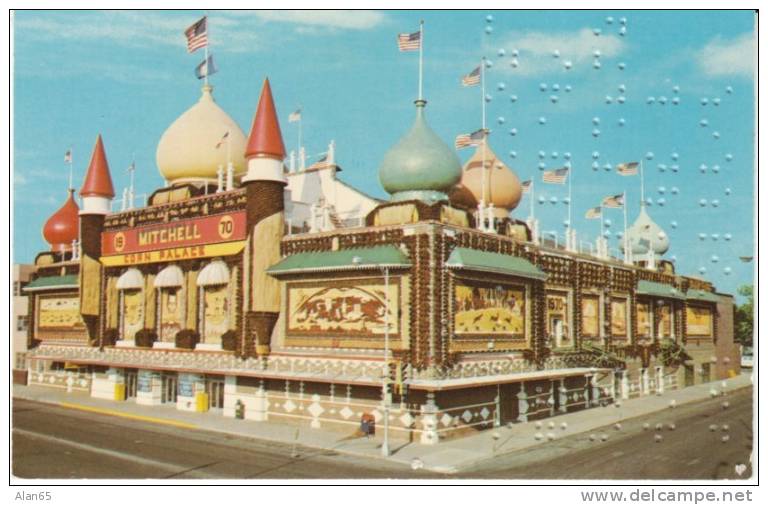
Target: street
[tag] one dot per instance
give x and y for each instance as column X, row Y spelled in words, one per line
column 688, row 442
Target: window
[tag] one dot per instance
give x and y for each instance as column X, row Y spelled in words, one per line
column 558, row 319
column 22, row 323
column 20, row 362
column 644, row 316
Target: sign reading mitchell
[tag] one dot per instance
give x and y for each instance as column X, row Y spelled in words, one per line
column 218, row 235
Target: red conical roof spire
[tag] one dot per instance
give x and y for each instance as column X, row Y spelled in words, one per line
column 265, row 138
column 98, row 182
column 62, row 227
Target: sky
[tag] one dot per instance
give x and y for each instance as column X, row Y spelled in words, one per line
column 674, row 89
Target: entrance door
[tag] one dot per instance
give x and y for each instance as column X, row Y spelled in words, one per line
column 706, row 372
column 215, row 390
column 689, row 376
column 131, row 381
column 170, row 386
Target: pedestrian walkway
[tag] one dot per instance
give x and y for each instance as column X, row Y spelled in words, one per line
column 446, row 457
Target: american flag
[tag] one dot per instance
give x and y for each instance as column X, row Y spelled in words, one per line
column 555, row 176
column 68, row 156
column 469, row 139
column 613, row 202
column 472, row 78
column 594, row 213
column 321, row 163
column 627, row 168
column 526, row 185
column 409, row 41
column 223, row 138
column 294, row 116
column 197, row 35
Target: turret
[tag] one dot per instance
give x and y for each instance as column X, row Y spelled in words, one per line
column 97, row 190
column 264, row 183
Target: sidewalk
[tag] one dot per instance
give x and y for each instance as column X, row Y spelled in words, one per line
column 446, row 457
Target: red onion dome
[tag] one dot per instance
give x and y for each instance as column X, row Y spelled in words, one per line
column 62, row 227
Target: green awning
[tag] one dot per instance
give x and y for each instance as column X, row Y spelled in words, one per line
column 702, row 296
column 348, row 259
column 657, row 289
column 56, row 282
column 472, row 259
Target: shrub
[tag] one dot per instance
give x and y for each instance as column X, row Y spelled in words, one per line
column 229, row 340
column 111, row 335
column 187, row 339
column 145, row 337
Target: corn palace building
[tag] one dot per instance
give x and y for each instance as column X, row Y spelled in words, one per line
column 227, row 295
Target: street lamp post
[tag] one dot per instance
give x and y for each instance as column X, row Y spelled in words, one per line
column 357, row 260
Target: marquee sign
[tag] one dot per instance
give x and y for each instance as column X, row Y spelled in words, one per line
column 219, row 235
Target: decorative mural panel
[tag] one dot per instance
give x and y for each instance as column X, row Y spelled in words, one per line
column 170, row 314
column 215, row 313
column 643, row 319
column 699, row 321
column 590, row 316
column 489, row 310
column 61, row 312
column 619, row 317
column 665, row 320
column 558, row 319
column 344, row 308
column 133, row 312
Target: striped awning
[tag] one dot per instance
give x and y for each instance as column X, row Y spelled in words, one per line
column 215, row 273
column 131, row 279
column 169, row 277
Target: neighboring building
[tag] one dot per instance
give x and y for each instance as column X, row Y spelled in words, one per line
column 225, row 294
column 20, row 322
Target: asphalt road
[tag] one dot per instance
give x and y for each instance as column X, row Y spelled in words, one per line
column 687, row 449
column 54, row 442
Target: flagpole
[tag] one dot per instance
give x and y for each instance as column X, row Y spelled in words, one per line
column 421, row 60
column 70, row 168
column 570, row 209
column 208, row 41
column 301, row 118
column 627, row 259
column 482, row 89
column 642, row 184
column 533, row 196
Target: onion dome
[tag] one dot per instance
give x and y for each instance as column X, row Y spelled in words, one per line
column 265, row 138
column 62, row 227
column 420, row 166
column 194, row 146
column 645, row 234
column 502, row 186
column 98, row 181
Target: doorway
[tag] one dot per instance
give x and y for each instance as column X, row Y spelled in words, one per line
column 214, row 387
column 131, row 382
column 169, row 388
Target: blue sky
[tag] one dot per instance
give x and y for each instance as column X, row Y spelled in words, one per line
column 127, row 76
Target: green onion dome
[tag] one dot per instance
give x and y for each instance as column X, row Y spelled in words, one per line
column 420, row 166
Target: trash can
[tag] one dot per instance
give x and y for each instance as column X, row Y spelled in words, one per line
column 239, row 409
column 368, row 425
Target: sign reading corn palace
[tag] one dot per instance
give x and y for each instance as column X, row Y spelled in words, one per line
column 437, row 310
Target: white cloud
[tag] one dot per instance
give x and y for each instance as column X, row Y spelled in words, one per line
column 342, row 19
column 728, row 57
column 537, row 49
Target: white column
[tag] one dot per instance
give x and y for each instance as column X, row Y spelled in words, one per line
column 220, row 179
column 429, row 435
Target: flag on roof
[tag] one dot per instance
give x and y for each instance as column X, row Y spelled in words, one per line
column 206, row 68
column 197, row 35
column 469, row 139
column 594, row 213
column 68, row 156
column 555, row 176
column 613, row 202
column 409, row 41
column 223, row 138
column 745, row 259
column 629, row 168
column 321, row 163
column 526, row 185
column 472, row 78
column 294, row 116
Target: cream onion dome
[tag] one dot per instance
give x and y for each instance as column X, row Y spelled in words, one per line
column 644, row 234
column 188, row 150
column 502, row 186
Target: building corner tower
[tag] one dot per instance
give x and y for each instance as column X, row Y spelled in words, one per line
column 264, row 183
column 97, row 193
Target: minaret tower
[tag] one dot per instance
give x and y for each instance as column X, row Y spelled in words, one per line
column 264, row 183
column 97, row 193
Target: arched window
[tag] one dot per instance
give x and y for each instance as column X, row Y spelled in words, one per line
column 215, row 301
column 170, row 302
column 130, row 286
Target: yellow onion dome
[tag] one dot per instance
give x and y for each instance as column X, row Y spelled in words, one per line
column 502, row 186
column 199, row 141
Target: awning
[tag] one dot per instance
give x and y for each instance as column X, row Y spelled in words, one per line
column 702, row 296
column 131, row 279
column 169, row 277
column 215, row 273
column 387, row 256
column 472, row 259
column 56, row 282
column 657, row 289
